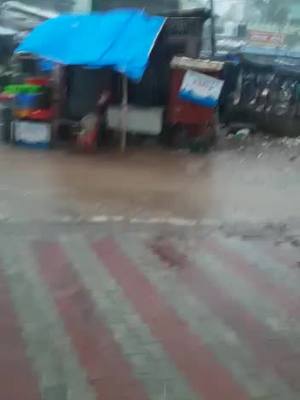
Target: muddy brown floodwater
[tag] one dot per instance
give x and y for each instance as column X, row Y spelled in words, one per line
column 225, row 185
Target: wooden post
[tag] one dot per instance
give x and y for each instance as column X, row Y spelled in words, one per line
column 124, row 113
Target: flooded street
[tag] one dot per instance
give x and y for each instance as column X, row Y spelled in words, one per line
column 152, row 275
column 228, row 185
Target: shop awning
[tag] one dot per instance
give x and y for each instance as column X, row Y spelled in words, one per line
column 120, row 39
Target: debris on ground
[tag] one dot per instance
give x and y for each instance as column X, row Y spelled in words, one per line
column 289, row 142
column 166, row 252
column 260, row 144
column 242, row 133
column 293, row 158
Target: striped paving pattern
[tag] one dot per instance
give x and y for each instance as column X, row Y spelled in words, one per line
column 131, row 316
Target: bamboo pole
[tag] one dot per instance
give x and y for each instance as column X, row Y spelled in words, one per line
column 124, row 113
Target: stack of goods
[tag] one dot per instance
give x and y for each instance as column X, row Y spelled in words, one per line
column 32, row 112
column 32, row 101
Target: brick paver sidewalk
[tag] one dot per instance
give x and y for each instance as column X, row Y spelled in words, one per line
column 134, row 317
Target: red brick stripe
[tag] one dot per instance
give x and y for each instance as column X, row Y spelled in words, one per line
column 17, row 381
column 107, row 369
column 207, row 377
column 270, row 349
column 277, row 292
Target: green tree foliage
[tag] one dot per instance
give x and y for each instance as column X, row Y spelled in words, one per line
column 274, row 11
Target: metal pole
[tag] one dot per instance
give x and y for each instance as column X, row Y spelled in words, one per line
column 124, row 112
column 213, row 29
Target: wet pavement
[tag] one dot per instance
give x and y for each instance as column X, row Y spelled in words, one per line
column 150, row 275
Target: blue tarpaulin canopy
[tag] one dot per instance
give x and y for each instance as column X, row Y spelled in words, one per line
column 120, row 39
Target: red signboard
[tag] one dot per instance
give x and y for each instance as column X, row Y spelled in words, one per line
column 267, row 38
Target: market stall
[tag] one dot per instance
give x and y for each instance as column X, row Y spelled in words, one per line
column 121, row 40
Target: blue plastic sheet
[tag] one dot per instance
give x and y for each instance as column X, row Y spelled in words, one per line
column 120, row 39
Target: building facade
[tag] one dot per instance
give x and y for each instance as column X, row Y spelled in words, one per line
column 152, row 6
